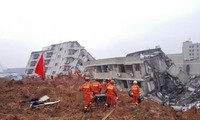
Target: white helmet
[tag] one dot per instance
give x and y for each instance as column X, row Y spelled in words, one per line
column 134, row 82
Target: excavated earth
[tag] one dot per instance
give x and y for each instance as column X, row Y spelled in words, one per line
column 12, row 93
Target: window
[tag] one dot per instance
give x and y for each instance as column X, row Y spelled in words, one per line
column 137, row 67
column 56, row 64
column 33, row 63
column 58, row 56
column 129, row 68
column 72, row 51
column 125, row 83
column 30, row 71
column 192, row 50
column 72, row 44
column 80, row 62
column 121, row 68
column 49, row 55
column 60, row 49
column 110, row 68
column 47, row 62
column 35, row 56
column 197, row 49
column 190, row 54
column 105, row 68
column 69, row 60
column 82, row 54
column 53, row 47
column 99, row 70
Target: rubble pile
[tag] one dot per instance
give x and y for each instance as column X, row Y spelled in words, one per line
column 12, row 93
column 168, row 84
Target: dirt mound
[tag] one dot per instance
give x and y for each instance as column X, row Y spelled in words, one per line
column 12, row 93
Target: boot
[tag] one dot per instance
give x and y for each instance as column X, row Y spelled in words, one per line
column 85, row 109
column 105, row 107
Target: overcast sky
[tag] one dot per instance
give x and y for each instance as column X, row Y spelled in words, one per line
column 106, row 28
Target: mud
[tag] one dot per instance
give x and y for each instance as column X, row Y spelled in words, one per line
column 70, row 107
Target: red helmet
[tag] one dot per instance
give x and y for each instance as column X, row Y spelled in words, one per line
column 97, row 79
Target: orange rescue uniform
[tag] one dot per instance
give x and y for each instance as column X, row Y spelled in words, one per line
column 96, row 87
column 111, row 93
column 135, row 89
column 104, row 85
column 87, row 91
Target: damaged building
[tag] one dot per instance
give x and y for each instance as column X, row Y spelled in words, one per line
column 59, row 58
column 159, row 78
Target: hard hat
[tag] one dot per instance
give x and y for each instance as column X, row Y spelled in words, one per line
column 134, row 82
column 112, row 81
column 109, row 79
column 87, row 79
column 97, row 79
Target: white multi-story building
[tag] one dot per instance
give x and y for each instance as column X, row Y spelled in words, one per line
column 59, row 58
column 189, row 59
column 191, row 50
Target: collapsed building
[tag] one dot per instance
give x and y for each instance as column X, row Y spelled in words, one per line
column 59, row 59
column 157, row 75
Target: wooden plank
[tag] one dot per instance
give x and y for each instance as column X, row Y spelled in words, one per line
column 104, row 118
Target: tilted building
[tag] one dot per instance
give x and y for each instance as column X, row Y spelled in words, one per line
column 59, row 58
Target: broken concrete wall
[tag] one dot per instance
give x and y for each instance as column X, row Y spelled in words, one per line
column 156, row 74
column 177, row 72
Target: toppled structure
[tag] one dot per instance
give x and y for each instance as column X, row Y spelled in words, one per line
column 60, row 59
column 157, row 75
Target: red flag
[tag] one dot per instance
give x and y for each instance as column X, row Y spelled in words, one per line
column 40, row 68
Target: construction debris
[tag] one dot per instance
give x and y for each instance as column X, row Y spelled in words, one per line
column 157, row 75
column 37, row 102
column 70, row 107
column 40, row 103
column 104, row 118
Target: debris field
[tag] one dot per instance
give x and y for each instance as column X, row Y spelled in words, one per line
column 12, row 93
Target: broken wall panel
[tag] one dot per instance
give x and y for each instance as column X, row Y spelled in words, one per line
column 159, row 78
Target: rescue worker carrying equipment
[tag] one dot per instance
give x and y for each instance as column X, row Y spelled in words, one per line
column 106, row 83
column 96, row 87
column 135, row 90
column 111, row 93
column 87, row 91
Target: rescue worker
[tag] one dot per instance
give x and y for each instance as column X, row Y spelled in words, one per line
column 135, row 90
column 87, row 91
column 96, row 86
column 111, row 93
column 105, row 84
